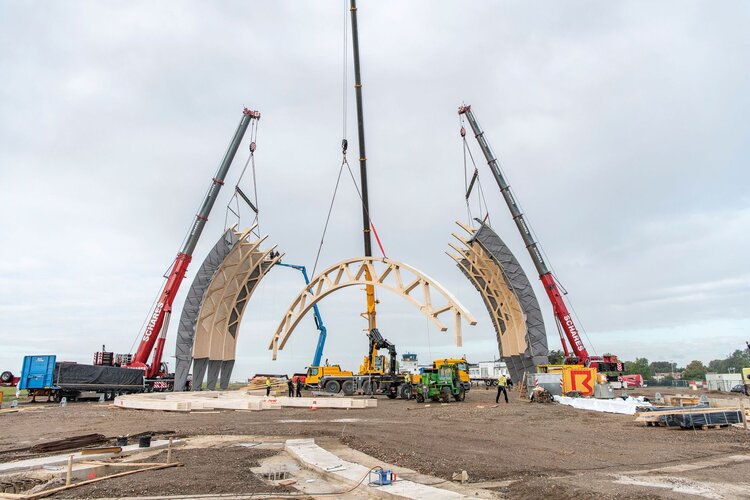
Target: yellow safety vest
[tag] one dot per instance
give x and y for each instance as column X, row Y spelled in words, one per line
column 268, row 382
column 502, row 381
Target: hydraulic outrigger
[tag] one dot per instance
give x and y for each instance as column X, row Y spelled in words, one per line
column 563, row 317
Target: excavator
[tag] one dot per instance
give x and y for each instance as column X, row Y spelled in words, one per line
column 577, row 354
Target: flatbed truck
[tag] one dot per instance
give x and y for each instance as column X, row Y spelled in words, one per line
column 45, row 376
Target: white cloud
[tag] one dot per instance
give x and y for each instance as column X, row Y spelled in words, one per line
column 621, row 128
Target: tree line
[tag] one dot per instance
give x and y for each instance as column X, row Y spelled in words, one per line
column 695, row 370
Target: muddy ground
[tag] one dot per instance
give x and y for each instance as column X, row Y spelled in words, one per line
column 552, row 449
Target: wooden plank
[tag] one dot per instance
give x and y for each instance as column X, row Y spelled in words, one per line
column 46, row 493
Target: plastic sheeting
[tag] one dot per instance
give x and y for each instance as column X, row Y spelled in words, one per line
column 186, row 329
column 535, row 336
column 617, row 405
column 93, row 377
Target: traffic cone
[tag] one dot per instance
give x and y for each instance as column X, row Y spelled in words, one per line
column 314, row 405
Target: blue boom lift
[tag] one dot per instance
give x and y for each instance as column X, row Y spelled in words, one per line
column 318, row 319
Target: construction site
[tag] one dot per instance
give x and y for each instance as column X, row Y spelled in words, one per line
column 500, row 393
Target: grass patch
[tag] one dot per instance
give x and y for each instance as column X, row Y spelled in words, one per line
column 10, row 392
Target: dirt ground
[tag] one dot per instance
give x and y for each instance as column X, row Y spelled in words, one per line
column 529, row 450
column 194, row 477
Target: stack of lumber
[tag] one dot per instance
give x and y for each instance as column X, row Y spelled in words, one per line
column 695, row 417
column 257, row 385
column 682, row 400
column 69, row 443
column 231, row 400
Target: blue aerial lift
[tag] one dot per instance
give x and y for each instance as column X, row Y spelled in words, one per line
column 318, row 319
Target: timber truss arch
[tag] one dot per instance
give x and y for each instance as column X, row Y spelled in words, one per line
column 508, row 295
column 223, row 305
column 429, row 296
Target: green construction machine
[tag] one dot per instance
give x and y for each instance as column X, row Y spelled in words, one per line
column 439, row 384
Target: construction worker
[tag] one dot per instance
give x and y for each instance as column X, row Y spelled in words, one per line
column 502, row 384
column 268, row 386
column 407, row 379
column 299, row 387
column 290, row 386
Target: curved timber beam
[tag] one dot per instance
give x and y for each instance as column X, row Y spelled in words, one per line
column 508, row 295
column 501, row 301
column 223, row 306
column 429, row 296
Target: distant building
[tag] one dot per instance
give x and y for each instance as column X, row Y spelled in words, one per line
column 661, row 376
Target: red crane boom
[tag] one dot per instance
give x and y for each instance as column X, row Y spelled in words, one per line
column 156, row 329
column 562, row 315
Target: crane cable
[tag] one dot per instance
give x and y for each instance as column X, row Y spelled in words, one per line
column 344, row 161
column 330, row 207
column 468, row 186
column 238, row 193
column 344, row 142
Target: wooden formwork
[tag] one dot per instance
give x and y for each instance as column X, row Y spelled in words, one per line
column 232, row 400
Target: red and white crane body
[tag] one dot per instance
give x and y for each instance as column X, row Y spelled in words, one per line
column 155, row 333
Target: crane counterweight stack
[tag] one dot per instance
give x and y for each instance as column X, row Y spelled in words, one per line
column 155, row 332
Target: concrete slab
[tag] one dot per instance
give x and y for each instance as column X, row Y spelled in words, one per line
column 323, row 461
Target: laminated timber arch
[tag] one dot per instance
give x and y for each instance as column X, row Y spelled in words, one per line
column 223, row 306
column 429, row 296
column 507, row 293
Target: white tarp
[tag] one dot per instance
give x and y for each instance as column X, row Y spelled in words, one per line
column 617, row 405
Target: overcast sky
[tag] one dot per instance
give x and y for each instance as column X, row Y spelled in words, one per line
column 622, row 127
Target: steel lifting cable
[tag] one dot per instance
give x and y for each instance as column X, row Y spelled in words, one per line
column 466, row 173
column 469, row 186
column 238, row 193
column 344, row 83
column 330, row 208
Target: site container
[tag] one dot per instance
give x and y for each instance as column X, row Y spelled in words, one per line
column 37, row 372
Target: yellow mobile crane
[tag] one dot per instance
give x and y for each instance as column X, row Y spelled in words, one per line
column 376, row 374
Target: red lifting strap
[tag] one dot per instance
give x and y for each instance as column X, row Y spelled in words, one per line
column 377, row 238
column 217, row 181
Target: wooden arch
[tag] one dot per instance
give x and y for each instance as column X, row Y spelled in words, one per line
column 223, row 306
column 429, row 296
column 499, row 297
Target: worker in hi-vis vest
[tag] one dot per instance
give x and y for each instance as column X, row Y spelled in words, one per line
column 502, row 385
column 268, row 386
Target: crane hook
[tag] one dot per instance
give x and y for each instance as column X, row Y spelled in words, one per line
column 252, row 147
column 463, row 132
column 344, row 145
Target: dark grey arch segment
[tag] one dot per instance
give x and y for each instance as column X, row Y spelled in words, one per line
column 536, row 336
column 189, row 317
